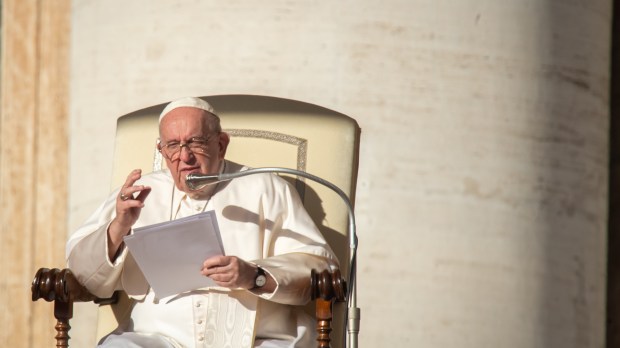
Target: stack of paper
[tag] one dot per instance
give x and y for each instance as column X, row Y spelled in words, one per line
column 171, row 254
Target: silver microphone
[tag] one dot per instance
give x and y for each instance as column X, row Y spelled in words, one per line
column 197, row 181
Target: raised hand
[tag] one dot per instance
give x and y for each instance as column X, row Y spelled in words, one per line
column 129, row 203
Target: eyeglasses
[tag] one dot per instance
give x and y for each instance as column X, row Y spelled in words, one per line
column 172, row 149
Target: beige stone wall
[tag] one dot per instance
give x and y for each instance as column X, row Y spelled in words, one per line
column 481, row 202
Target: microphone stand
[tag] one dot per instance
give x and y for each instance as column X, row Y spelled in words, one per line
column 198, row 181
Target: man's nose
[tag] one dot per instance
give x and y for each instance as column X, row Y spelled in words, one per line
column 187, row 155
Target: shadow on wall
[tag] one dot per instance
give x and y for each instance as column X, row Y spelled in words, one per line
column 613, row 232
column 571, row 177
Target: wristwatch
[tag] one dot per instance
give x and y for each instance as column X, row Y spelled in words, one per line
column 261, row 278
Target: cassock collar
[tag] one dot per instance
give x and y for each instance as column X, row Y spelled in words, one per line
column 179, row 196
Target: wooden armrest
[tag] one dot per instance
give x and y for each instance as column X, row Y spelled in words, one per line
column 327, row 287
column 58, row 285
column 61, row 287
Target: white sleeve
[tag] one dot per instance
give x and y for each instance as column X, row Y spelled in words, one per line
column 87, row 252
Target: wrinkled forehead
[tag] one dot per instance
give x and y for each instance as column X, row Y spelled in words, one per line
column 186, row 123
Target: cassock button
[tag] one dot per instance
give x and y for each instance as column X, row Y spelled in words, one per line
column 199, row 322
column 198, row 304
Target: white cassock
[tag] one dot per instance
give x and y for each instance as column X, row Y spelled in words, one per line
column 261, row 220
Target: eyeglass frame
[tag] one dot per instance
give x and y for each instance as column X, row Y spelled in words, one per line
column 203, row 148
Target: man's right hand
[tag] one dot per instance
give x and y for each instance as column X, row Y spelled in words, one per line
column 129, row 203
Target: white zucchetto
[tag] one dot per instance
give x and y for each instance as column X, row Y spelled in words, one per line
column 191, row 102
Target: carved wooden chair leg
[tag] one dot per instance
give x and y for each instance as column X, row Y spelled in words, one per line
column 63, row 311
column 326, row 288
column 324, row 322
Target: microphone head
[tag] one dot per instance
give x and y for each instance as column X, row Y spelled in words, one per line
column 197, row 181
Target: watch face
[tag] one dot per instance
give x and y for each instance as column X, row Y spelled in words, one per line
column 260, row 280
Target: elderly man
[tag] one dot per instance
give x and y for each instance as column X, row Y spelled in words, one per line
column 270, row 241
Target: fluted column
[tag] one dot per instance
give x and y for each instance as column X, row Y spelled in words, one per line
column 33, row 161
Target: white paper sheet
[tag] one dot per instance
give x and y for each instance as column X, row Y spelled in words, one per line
column 170, row 254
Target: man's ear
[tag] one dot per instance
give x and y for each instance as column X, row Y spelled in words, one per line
column 223, row 141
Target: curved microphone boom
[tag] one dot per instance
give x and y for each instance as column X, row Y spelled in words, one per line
column 198, row 181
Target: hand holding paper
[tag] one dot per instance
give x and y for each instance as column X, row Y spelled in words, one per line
column 230, row 271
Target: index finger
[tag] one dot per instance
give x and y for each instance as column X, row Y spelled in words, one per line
column 133, row 176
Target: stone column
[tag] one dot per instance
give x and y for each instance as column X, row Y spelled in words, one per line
column 33, row 161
